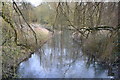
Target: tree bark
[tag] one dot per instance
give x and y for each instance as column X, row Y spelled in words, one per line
column 118, row 40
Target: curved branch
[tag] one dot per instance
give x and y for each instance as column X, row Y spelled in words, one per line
column 15, row 5
column 9, row 22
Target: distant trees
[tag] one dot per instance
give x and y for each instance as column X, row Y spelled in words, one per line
column 88, row 14
column 45, row 13
column 28, row 11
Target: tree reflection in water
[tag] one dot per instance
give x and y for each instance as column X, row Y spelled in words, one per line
column 61, row 57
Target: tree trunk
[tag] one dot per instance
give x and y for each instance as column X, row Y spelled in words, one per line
column 118, row 40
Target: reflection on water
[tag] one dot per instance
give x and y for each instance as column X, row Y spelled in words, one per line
column 60, row 57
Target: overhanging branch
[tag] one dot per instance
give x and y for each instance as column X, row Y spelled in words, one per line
column 18, row 10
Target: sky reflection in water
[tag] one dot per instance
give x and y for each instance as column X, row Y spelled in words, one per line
column 59, row 58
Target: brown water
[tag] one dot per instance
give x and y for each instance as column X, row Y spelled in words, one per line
column 60, row 57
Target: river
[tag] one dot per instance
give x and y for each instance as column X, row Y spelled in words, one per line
column 60, row 57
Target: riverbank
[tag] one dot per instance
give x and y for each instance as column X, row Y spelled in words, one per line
column 12, row 54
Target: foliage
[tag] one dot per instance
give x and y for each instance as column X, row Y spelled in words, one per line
column 45, row 13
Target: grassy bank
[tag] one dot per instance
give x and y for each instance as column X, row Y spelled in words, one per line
column 12, row 54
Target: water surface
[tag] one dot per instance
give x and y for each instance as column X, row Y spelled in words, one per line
column 60, row 57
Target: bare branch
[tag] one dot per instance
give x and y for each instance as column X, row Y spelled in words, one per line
column 15, row 5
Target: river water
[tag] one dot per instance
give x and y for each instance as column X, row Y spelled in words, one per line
column 60, row 57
